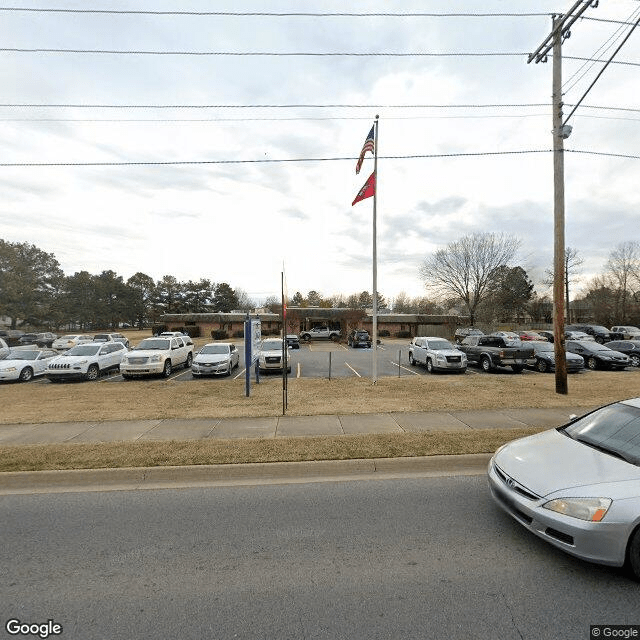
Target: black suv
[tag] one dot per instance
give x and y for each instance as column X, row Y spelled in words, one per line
column 601, row 334
column 359, row 338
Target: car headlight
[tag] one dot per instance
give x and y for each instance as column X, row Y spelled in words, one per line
column 589, row 509
column 8, row 369
column 155, row 358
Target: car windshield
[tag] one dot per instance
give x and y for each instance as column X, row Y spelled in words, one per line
column 69, row 338
column 101, row 337
column 440, row 345
column 83, row 350
column 599, row 329
column 153, row 343
column 272, row 345
column 215, row 349
column 23, row 355
column 614, row 429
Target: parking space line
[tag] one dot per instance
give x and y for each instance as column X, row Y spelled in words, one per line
column 299, row 370
column 352, row 369
column 395, row 364
column 110, row 377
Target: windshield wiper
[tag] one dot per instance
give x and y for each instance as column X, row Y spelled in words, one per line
column 611, row 452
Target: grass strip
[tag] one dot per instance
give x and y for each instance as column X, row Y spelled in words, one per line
column 114, row 455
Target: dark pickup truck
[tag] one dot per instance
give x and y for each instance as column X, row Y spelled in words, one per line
column 495, row 351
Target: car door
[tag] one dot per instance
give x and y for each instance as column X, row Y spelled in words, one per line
column 235, row 356
column 41, row 362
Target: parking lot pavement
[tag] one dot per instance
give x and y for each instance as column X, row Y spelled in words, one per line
column 280, row 426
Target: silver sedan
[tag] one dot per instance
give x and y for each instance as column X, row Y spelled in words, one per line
column 578, row 486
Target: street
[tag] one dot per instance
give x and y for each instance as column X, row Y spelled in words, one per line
column 412, row 558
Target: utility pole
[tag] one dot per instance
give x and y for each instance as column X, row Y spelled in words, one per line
column 560, row 30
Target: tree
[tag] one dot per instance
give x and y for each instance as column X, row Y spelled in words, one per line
column 314, row 299
column 297, row 300
column 141, row 287
column 510, row 293
column 29, row 278
column 572, row 264
column 623, row 268
column 224, row 298
column 197, row 296
column 466, row 268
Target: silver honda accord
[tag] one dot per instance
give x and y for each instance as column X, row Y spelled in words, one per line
column 578, row 486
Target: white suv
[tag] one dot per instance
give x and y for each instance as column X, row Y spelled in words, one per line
column 157, row 356
column 86, row 361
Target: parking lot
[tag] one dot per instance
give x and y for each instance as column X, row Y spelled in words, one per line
column 325, row 359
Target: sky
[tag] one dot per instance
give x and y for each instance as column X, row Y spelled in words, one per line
column 267, row 188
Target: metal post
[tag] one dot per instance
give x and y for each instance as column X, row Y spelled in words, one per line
column 558, row 213
column 399, row 361
column 374, row 323
column 329, row 365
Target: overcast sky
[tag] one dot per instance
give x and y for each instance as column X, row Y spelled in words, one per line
column 239, row 222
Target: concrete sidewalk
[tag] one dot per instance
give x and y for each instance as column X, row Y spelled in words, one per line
column 279, row 427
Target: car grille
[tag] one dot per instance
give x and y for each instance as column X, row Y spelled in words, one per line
column 59, row 365
column 454, row 359
column 272, row 359
column 140, row 360
column 512, row 485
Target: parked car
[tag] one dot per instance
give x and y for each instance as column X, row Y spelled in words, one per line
column 544, row 358
column 578, row 335
column 66, row 342
column 532, row 336
column 216, row 358
column 86, row 361
column 111, row 337
column 600, row 334
column 40, row 339
column 548, row 335
column 508, row 335
column 437, row 354
column 626, row 332
column 270, row 357
column 578, row 486
column 11, row 336
column 4, row 349
column 598, row 356
column 320, row 333
column 293, row 341
column 25, row 364
column 157, row 356
column 494, row 351
column 630, row 348
column 463, row 332
column 359, row 338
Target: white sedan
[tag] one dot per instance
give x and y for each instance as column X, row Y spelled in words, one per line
column 578, row 486
column 24, row 364
column 217, row 358
column 67, row 342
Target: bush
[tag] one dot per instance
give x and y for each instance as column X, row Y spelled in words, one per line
column 239, row 333
column 403, row 334
column 219, row 334
column 384, row 333
column 191, row 331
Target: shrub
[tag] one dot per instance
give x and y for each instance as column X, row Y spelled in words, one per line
column 239, row 333
column 403, row 334
column 219, row 334
column 384, row 333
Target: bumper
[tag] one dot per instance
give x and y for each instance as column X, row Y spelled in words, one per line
column 66, row 374
column 450, row 366
column 600, row 542
column 219, row 369
column 147, row 369
column 9, row 375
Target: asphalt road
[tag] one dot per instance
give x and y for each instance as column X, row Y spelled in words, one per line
column 411, row 558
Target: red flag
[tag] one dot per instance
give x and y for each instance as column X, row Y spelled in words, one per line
column 368, row 190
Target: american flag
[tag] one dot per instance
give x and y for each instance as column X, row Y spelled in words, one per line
column 368, row 146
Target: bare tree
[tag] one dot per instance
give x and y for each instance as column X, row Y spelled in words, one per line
column 572, row 264
column 466, row 268
column 623, row 268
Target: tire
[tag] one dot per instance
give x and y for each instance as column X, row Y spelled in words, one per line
column 166, row 371
column 517, row 368
column 187, row 364
column 93, row 372
column 635, row 360
column 485, row 364
column 26, row 374
column 592, row 363
column 335, row 337
column 599, row 340
column 305, row 338
column 288, row 369
column 412, row 362
column 542, row 366
column 633, row 554
column 429, row 365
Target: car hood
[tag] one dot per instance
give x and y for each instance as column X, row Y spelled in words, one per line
column 550, row 461
column 272, row 353
column 211, row 358
column 145, row 353
column 11, row 362
column 449, row 352
column 70, row 359
column 550, row 355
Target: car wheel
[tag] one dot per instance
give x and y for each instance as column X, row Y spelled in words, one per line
column 93, row 372
column 166, row 371
column 599, row 340
column 26, row 374
column 635, row 360
column 429, row 366
column 485, row 364
column 542, row 365
column 288, row 369
column 633, row 554
column 412, row 362
column 187, row 364
column 592, row 363
column 335, row 338
column 306, row 338
column 517, row 368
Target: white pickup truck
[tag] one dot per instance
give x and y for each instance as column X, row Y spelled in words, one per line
column 157, row 356
column 320, row 333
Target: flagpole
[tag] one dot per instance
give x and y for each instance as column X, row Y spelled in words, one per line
column 374, row 338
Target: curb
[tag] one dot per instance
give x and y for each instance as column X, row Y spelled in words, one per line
column 137, row 478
